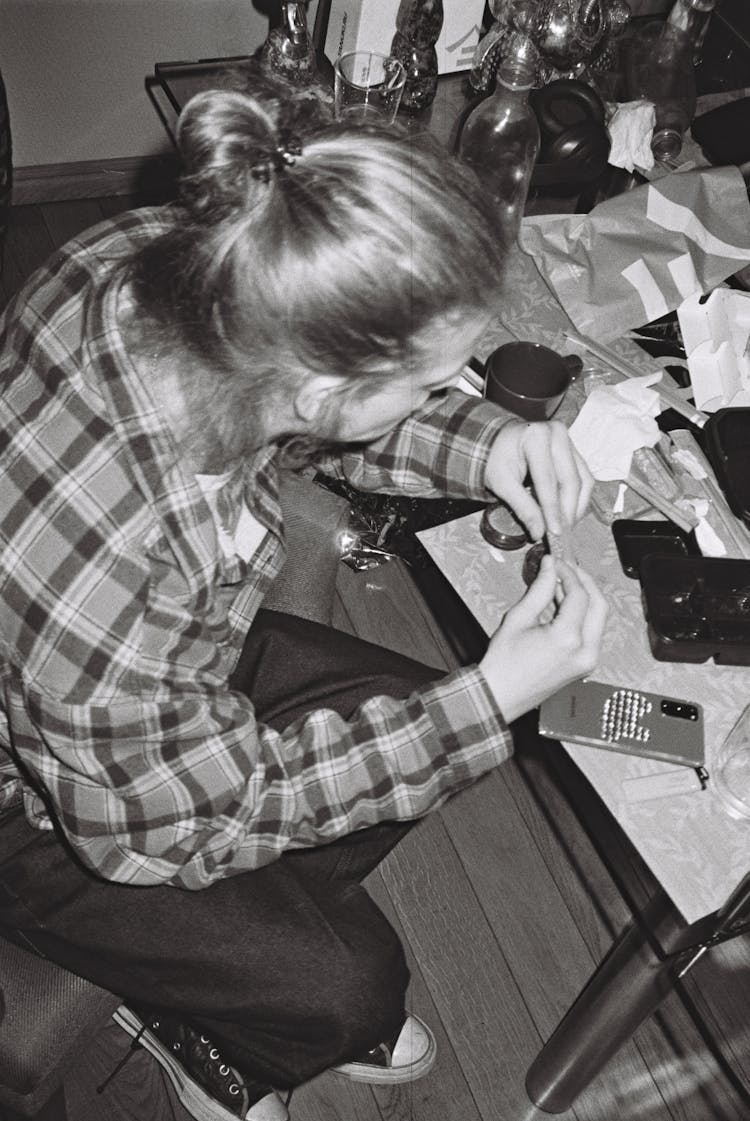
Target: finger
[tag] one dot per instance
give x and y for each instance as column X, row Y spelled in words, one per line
column 572, row 596
column 537, row 444
column 596, row 616
column 539, row 596
column 582, row 614
column 547, row 615
column 574, row 480
column 526, row 508
column 586, row 485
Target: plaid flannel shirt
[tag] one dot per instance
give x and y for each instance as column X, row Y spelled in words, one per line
column 121, row 619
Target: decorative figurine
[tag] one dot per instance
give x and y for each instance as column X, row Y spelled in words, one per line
column 572, row 36
column 418, row 26
column 288, row 50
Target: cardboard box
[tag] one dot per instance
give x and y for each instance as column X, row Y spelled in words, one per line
column 355, row 25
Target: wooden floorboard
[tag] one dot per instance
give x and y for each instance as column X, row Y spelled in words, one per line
column 479, row 1003
column 504, row 903
column 385, row 605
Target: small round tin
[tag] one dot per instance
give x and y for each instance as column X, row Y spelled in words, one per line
column 532, row 562
column 501, row 528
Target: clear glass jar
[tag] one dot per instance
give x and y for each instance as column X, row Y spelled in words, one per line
column 730, row 770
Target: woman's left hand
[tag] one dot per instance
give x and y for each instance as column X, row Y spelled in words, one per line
column 560, row 480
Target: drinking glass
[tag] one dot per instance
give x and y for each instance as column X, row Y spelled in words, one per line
column 730, row 773
column 367, row 87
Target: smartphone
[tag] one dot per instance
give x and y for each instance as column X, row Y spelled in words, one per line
column 632, row 721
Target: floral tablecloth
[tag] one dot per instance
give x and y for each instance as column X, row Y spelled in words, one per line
column 698, row 853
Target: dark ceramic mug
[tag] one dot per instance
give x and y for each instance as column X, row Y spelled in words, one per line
column 528, row 379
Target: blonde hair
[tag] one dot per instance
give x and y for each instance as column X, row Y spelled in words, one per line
column 303, row 244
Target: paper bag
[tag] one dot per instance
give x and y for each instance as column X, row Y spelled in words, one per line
column 636, row 257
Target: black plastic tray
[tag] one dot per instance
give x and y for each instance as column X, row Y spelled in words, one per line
column 727, row 437
column 637, row 538
column 697, row 608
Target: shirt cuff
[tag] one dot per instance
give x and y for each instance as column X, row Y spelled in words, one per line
column 468, row 721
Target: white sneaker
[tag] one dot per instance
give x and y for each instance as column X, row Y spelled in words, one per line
column 410, row 1057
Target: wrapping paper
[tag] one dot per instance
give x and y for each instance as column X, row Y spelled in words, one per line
column 638, row 256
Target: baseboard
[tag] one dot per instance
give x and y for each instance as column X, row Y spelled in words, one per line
column 143, row 176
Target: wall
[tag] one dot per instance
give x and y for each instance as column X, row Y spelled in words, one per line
column 75, row 69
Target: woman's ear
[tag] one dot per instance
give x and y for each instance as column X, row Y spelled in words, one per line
column 315, row 395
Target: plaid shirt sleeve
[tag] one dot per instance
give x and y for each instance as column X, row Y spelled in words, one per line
column 188, row 788
column 440, row 451
column 119, row 631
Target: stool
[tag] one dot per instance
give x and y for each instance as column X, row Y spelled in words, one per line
column 47, row 1015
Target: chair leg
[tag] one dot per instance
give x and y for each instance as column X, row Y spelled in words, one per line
column 53, row 1110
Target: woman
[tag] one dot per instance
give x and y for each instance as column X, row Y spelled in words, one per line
column 194, row 786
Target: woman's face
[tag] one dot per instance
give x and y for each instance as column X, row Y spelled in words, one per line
column 439, row 358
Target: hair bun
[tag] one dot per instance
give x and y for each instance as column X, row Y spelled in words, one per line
column 232, row 138
column 221, row 136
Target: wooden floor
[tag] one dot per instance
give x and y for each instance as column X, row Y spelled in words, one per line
column 505, row 906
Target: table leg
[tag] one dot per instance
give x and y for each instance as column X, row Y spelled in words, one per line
column 626, row 988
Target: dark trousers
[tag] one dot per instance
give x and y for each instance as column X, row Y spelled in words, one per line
column 290, row 969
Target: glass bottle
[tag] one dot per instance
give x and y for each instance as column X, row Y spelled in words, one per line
column 288, row 51
column 692, row 17
column 500, row 137
column 418, row 26
column 661, row 68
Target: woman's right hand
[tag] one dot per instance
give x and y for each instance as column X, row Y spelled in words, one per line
column 529, row 659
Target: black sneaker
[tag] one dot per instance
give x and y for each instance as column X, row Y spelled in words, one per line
column 209, row 1088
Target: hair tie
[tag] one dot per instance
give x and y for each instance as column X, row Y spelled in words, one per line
column 283, row 155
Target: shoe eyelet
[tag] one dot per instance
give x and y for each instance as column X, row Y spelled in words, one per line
column 224, row 1069
column 205, row 1039
column 234, row 1089
column 213, row 1053
column 156, row 1024
column 176, row 1046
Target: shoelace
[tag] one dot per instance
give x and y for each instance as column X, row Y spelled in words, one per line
column 135, row 1043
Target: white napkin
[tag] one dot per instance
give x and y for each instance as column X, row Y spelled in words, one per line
column 630, row 129
column 615, row 421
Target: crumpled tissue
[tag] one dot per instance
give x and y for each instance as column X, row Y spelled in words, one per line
column 630, row 130
column 614, row 421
